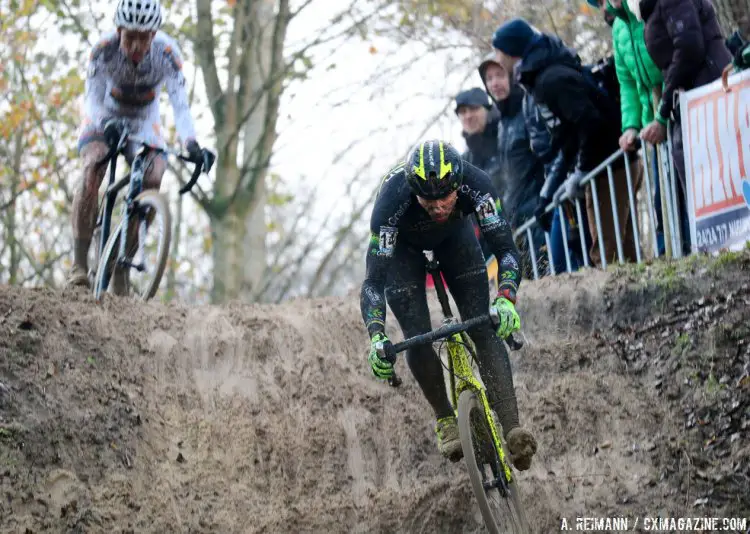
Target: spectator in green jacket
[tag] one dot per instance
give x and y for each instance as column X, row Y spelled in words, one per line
column 637, row 73
column 638, row 77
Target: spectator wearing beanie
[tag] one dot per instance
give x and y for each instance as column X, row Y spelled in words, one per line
column 521, row 170
column 582, row 121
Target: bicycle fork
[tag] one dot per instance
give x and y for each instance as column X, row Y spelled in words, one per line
column 459, row 366
column 131, row 207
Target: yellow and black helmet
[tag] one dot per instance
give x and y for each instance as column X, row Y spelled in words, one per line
column 434, row 169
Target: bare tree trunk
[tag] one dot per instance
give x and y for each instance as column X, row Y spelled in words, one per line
column 733, row 15
column 15, row 180
column 245, row 115
column 228, row 232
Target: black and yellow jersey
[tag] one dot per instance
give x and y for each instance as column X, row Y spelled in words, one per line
column 398, row 220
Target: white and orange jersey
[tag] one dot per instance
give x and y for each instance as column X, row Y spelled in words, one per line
column 116, row 87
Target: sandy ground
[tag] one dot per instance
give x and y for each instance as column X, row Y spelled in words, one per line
column 131, row 417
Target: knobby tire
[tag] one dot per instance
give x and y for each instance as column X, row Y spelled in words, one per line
column 476, row 438
column 158, row 202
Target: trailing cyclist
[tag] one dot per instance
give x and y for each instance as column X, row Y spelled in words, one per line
column 426, row 202
column 127, row 70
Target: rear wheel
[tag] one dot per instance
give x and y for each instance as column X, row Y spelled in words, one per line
column 151, row 213
column 502, row 514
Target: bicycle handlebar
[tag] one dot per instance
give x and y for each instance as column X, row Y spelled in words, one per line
column 200, row 166
column 442, row 332
column 203, row 164
column 437, row 334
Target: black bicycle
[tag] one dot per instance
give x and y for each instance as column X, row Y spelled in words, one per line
column 482, row 439
column 124, row 250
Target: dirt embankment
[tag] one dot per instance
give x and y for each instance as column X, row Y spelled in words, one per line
column 149, row 418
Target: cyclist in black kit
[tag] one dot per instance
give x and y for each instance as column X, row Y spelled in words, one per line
column 425, row 203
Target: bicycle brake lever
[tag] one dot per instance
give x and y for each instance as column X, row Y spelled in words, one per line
column 393, row 381
column 494, row 316
column 208, row 160
column 513, row 343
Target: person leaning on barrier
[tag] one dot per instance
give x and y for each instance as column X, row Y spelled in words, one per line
column 582, row 118
column 638, row 76
column 685, row 41
column 521, row 170
column 479, row 123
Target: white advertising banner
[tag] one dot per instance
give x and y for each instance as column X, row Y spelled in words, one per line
column 716, row 143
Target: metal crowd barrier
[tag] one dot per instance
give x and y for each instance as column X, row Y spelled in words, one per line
column 670, row 226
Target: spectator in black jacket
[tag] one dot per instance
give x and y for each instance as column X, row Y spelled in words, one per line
column 581, row 120
column 557, row 164
column 520, row 169
column 479, row 120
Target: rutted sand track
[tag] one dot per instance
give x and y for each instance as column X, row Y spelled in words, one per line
column 152, row 418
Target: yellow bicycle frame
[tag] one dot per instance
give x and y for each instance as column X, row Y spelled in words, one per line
column 459, row 365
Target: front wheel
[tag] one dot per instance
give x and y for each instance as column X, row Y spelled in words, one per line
column 151, row 210
column 502, row 514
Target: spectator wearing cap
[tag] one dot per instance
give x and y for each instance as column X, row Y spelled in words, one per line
column 582, row 120
column 520, row 169
column 479, row 119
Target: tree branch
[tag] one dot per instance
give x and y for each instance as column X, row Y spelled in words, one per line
column 205, row 44
column 280, row 73
column 357, row 214
column 84, row 33
column 15, row 196
column 333, row 277
column 51, row 142
column 314, row 241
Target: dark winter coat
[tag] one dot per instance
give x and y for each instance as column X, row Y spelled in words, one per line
column 520, row 169
column 578, row 116
column 558, row 158
column 482, row 150
column 684, row 39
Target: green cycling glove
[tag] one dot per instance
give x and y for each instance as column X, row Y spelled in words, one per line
column 505, row 317
column 381, row 367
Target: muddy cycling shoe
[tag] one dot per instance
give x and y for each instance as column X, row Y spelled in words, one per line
column 77, row 277
column 449, row 442
column 522, row 446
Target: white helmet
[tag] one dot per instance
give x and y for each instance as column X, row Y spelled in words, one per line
column 138, row 15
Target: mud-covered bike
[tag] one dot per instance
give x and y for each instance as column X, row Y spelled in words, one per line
column 484, row 448
column 116, row 255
